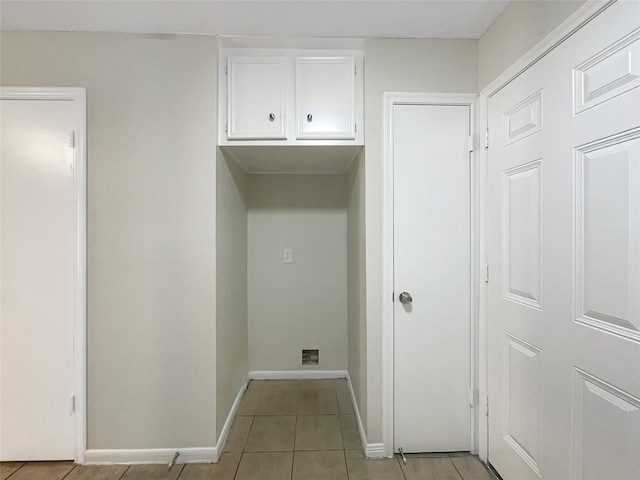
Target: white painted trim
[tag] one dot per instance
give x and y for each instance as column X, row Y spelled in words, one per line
column 476, row 269
column 150, row 456
column 563, row 31
column 227, row 424
column 79, row 97
column 164, row 455
column 371, row 450
column 296, row 374
column 390, row 100
column 566, row 29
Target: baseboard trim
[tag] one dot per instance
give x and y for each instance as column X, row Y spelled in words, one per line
column 296, row 374
column 136, row 456
column 371, row 450
column 149, row 456
column 227, row 424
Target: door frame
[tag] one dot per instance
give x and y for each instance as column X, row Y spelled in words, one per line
column 568, row 27
column 390, row 100
column 78, row 97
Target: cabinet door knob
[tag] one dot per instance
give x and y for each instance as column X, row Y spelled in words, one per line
column 272, row 117
column 309, row 118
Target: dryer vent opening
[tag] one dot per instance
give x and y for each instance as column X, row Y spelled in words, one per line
column 310, row 357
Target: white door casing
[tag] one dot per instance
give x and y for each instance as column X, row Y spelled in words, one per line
column 432, row 263
column 391, row 100
column 43, row 277
column 563, row 245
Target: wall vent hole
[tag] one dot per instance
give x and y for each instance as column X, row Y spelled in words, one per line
column 310, row 356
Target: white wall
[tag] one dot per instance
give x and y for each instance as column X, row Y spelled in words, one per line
column 434, row 66
column 151, row 219
column 518, row 29
column 303, row 304
column 356, row 322
column 232, row 357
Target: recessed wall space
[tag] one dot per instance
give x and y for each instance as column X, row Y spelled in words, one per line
column 302, row 303
column 290, row 167
column 288, row 257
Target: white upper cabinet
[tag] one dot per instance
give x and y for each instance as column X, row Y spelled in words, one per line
column 257, row 98
column 290, row 96
column 325, row 98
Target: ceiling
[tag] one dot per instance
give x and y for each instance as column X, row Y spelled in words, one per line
column 266, row 18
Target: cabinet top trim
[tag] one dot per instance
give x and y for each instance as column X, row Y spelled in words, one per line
column 290, row 43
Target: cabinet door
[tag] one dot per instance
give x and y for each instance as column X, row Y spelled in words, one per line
column 325, row 98
column 256, row 88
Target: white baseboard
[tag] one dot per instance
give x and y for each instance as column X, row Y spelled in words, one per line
column 371, row 450
column 374, row 450
column 149, row 455
column 164, row 455
column 227, row 424
column 296, row 374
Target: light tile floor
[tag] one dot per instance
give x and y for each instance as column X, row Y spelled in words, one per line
column 283, row 430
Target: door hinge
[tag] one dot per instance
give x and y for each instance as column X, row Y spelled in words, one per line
column 356, row 127
column 72, row 138
column 486, row 138
column 355, row 70
column 486, row 406
column 73, row 404
column 486, row 273
column 226, row 128
column 470, row 143
column 226, row 69
column 472, row 397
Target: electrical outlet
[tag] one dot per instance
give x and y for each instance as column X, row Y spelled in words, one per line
column 287, row 255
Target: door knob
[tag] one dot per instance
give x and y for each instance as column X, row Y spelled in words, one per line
column 309, row 118
column 272, row 117
column 405, row 297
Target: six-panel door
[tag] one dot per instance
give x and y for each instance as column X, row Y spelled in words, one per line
column 564, row 250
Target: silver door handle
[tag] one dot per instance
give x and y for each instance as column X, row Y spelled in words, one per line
column 405, row 297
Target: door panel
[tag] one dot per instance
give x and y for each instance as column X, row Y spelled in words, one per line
column 325, row 98
column 432, row 263
column 257, row 89
column 563, row 245
column 36, row 265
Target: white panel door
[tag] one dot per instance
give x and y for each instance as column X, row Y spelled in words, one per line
column 257, row 94
column 325, row 98
column 36, row 278
column 432, row 264
column 564, row 253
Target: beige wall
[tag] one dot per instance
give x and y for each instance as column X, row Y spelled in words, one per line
column 518, row 29
column 151, row 213
column 356, row 321
column 232, row 357
column 433, row 66
column 303, row 304
column 152, row 222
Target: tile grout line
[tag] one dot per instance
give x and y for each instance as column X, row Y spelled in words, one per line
column 295, row 432
column 125, row 472
column 69, row 472
column 16, row 470
column 244, row 446
column 457, row 471
column 344, row 451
